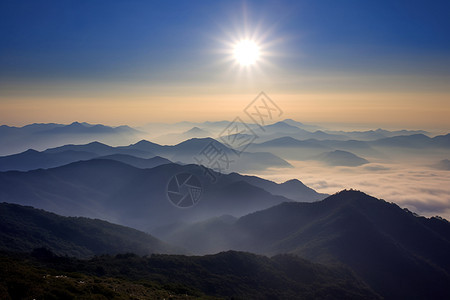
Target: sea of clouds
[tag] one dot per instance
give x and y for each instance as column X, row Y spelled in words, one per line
column 418, row 187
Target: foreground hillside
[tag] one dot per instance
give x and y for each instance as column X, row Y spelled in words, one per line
column 231, row 275
column 25, row 228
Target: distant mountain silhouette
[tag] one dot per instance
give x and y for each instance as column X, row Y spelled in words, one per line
column 25, row 228
column 291, row 148
column 291, row 142
column 59, row 156
column 123, row 194
column 188, row 151
column 196, row 132
column 143, row 146
column 400, row 255
column 282, row 127
column 415, row 141
column 412, row 141
column 43, row 136
column 371, row 135
column 341, row 158
column 442, row 141
column 102, row 150
column 289, row 189
column 360, row 148
column 137, row 161
column 32, row 159
column 308, row 127
column 93, row 147
column 288, row 128
column 172, row 138
column 86, row 128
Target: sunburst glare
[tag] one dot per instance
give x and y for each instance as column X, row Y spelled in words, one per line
column 246, row 52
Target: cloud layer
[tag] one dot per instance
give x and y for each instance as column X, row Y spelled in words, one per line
column 419, row 188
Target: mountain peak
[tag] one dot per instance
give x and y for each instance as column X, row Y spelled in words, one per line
column 351, row 196
column 31, row 151
column 341, row 158
column 78, row 124
column 352, row 192
column 287, row 121
column 96, row 143
column 292, row 181
column 199, row 140
column 282, row 126
column 195, row 130
column 282, row 123
column 144, row 142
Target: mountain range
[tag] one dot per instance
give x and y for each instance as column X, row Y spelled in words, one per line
column 291, row 148
column 262, row 156
column 123, row 194
column 190, row 151
column 399, row 254
column 43, row 136
column 372, row 247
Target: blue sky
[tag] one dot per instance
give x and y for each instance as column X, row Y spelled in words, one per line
column 319, row 46
column 95, row 38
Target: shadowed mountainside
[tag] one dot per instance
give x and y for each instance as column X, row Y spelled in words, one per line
column 399, row 254
column 135, row 197
column 24, row 228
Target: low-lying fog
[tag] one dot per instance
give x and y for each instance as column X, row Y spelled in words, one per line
column 414, row 185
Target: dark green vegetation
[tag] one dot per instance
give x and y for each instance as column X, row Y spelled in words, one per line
column 232, row 275
column 24, row 228
column 25, row 277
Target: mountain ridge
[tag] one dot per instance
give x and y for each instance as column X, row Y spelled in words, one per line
column 123, row 194
column 25, row 228
column 188, row 151
column 383, row 243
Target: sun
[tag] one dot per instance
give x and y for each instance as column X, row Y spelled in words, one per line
column 246, row 52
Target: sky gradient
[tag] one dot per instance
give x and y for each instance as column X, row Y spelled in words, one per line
column 380, row 63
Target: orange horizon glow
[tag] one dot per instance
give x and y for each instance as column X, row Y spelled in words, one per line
column 387, row 110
